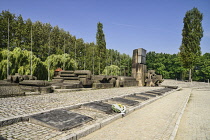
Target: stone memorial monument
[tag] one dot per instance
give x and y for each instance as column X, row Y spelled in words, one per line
column 139, row 67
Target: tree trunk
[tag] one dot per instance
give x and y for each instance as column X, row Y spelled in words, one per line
column 190, row 75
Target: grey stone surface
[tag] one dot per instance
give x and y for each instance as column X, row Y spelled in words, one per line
column 35, row 83
column 146, row 94
column 107, row 108
column 8, row 90
column 102, row 85
column 125, row 101
column 59, row 119
column 136, row 97
column 155, row 92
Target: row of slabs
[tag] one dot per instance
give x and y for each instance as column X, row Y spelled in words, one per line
column 62, row 119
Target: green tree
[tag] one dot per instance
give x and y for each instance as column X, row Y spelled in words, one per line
column 101, row 47
column 20, row 63
column 111, row 70
column 191, row 36
column 59, row 61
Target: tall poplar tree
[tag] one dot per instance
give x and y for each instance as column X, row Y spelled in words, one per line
column 192, row 33
column 101, row 47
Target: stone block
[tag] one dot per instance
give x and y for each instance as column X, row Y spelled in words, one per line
column 135, row 56
column 141, row 59
column 68, row 75
column 102, row 85
column 117, row 83
column 35, row 83
column 99, row 78
column 44, row 90
column 57, row 80
column 29, row 88
column 151, row 71
column 8, row 90
column 142, row 52
column 70, row 78
column 66, row 72
column 85, row 81
column 84, row 76
column 113, row 81
column 83, row 72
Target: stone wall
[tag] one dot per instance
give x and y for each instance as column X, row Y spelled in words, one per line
column 7, row 90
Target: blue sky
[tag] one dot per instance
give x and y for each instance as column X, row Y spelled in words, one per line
column 155, row 25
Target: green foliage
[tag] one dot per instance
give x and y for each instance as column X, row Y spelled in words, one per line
column 101, row 47
column 55, row 45
column 165, row 64
column 59, row 61
column 171, row 68
column 20, row 62
column 191, row 36
column 111, row 70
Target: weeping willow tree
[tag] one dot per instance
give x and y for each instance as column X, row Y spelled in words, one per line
column 20, row 62
column 111, row 70
column 63, row 61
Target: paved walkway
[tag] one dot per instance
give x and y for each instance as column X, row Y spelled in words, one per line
column 18, row 106
column 195, row 122
column 155, row 121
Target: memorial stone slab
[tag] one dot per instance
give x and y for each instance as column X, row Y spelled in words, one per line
column 155, row 92
column 137, row 97
column 146, row 94
column 125, row 101
column 59, row 119
column 107, row 108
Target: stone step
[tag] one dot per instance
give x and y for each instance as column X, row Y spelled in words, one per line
column 68, row 75
column 66, row 72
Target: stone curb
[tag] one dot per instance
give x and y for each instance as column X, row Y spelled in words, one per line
column 111, row 119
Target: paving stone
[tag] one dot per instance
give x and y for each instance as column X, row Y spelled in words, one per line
column 59, row 119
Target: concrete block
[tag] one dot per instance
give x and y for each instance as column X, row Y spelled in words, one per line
column 142, row 52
